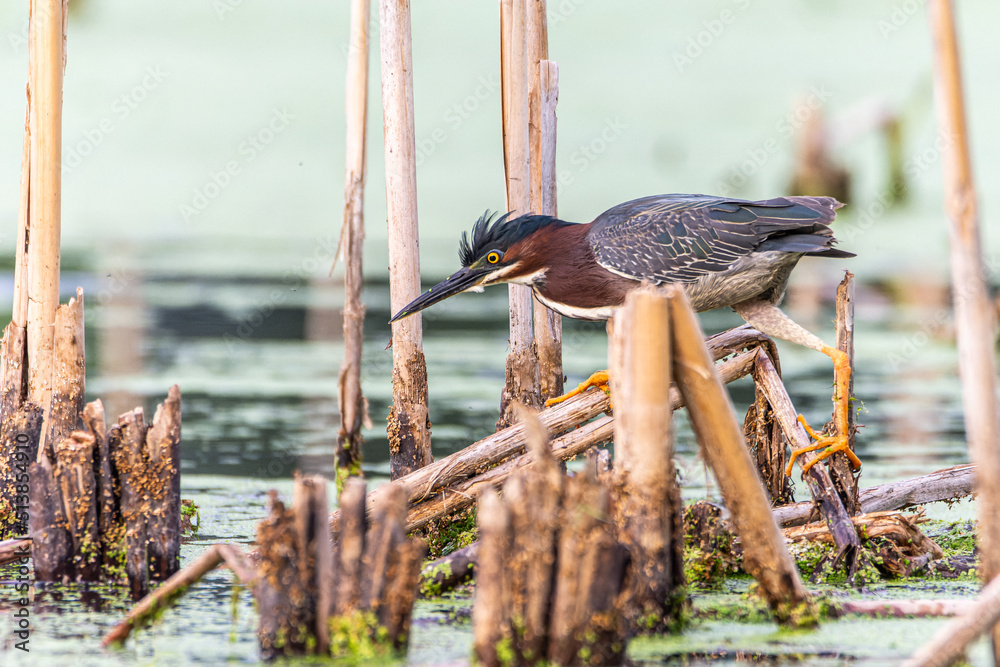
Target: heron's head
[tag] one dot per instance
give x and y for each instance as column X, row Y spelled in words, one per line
column 499, row 250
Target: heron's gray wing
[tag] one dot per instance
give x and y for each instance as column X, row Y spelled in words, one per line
column 682, row 237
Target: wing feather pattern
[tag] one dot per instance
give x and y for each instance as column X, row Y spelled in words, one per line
column 683, row 237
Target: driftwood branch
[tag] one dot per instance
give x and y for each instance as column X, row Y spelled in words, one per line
column 14, row 549
column 818, row 479
column 948, row 484
column 721, row 441
column 841, row 471
column 143, row 612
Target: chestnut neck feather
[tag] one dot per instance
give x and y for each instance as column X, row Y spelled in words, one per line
column 572, row 275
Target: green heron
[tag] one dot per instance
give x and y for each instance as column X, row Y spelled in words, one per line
column 725, row 252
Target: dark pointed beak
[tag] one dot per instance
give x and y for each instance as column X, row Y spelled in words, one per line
column 455, row 283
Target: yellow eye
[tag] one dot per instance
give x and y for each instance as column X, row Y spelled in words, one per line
column 493, row 257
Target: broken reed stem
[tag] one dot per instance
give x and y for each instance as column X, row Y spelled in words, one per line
column 68, row 371
column 650, row 502
column 765, row 438
column 724, row 448
column 975, row 327
column 489, row 619
column 818, row 479
column 408, row 430
column 78, row 490
column 47, row 61
column 19, row 317
column 163, row 449
column 522, row 372
column 150, row 606
column 52, row 546
column 125, row 443
column 543, row 92
column 353, row 411
column 533, row 500
column 841, row 471
column 349, row 544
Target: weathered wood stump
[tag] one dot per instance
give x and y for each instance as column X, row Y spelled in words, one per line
column 326, row 594
column 20, row 433
column 146, row 462
column 295, row 573
column 648, row 501
column 92, row 499
column 84, row 525
column 551, row 569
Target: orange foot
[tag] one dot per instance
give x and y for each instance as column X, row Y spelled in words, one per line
column 600, row 379
column 827, row 445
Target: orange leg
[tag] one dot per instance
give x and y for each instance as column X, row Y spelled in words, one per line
column 831, row 444
column 599, row 379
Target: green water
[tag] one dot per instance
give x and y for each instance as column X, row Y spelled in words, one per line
column 203, row 196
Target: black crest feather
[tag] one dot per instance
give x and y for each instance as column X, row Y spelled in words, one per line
column 499, row 234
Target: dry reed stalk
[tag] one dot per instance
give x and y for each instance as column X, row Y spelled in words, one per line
column 533, row 500
column 51, row 541
column 19, row 317
column 68, row 371
column 489, row 618
column 409, row 430
column 543, row 93
column 352, row 404
column 78, row 490
column 13, row 364
column 650, row 503
column 765, row 438
column 588, row 625
column 316, row 567
column 47, row 61
column 108, row 516
column 841, row 470
column 721, row 440
column 349, row 540
column 522, row 373
column 285, row 591
column 975, row 324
